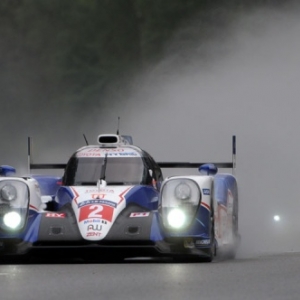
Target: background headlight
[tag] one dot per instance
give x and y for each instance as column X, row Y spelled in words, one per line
column 183, row 191
column 8, row 192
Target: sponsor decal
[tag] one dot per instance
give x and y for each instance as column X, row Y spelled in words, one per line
column 97, row 152
column 103, row 191
column 113, row 150
column 90, row 234
column 97, row 201
column 128, row 154
column 139, row 214
column 94, row 227
column 109, row 191
column 89, row 191
column 96, row 209
column 98, row 196
column 84, row 154
column 89, row 221
column 206, row 191
column 55, row 215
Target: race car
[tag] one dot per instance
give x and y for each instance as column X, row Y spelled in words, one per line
column 113, row 201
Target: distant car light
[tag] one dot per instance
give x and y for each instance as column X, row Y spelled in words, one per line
column 183, row 191
column 176, row 218
column 8, row 192
column 276, row 218
column 12, row 219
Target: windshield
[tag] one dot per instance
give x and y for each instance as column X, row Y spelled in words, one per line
column 119, row 170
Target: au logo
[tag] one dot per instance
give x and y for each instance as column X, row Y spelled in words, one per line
column 94, row 227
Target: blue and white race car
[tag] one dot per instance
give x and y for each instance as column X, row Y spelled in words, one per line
column 113, row 201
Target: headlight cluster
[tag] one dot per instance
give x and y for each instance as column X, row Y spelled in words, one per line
column 14, row 200
column 180, row 199
column 8, row 192
column 183, row 191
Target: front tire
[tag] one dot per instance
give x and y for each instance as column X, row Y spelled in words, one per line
column 213, row 248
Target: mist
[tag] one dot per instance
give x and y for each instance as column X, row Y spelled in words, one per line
column 243, row 81
column 186, row 108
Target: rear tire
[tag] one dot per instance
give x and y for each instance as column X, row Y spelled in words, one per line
column 231, row 253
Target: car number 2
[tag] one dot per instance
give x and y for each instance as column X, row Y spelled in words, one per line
column 95, row 211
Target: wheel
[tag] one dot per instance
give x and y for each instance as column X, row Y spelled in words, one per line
column 213, row 249
column 231, row 253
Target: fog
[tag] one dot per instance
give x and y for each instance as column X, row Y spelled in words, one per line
column 186, row 108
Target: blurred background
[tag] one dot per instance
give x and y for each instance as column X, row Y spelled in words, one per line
column 183, row 75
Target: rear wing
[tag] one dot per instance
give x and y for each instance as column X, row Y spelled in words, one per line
column 35, row 166
column 225, row 165
column 222, row 165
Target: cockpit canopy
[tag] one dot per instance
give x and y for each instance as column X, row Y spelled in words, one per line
column 118, row 171
column 117, row 168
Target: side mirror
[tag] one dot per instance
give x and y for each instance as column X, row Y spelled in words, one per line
column 49, row 203
column 7, row 170
column 150, row 173
column 208, row 169
column 46, row 198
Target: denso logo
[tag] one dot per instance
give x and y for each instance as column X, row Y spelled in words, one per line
column 113, row 150
column 93, row 150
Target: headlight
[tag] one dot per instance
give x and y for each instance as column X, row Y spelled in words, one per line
column 8, row 192
column 176, row 218
column 12, row 219
column 180, row 199
column 183, row 191
column 14, row 202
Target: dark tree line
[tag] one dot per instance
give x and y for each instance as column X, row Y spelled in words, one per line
column 68, row 50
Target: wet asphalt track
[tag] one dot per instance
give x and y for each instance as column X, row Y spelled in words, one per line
column 275, row 277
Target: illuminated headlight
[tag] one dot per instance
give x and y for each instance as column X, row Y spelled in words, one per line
column 14, row 203
column 183, row 191
column 176, row 218
column 8, row 192
column 180, row 199
column 12, row 219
